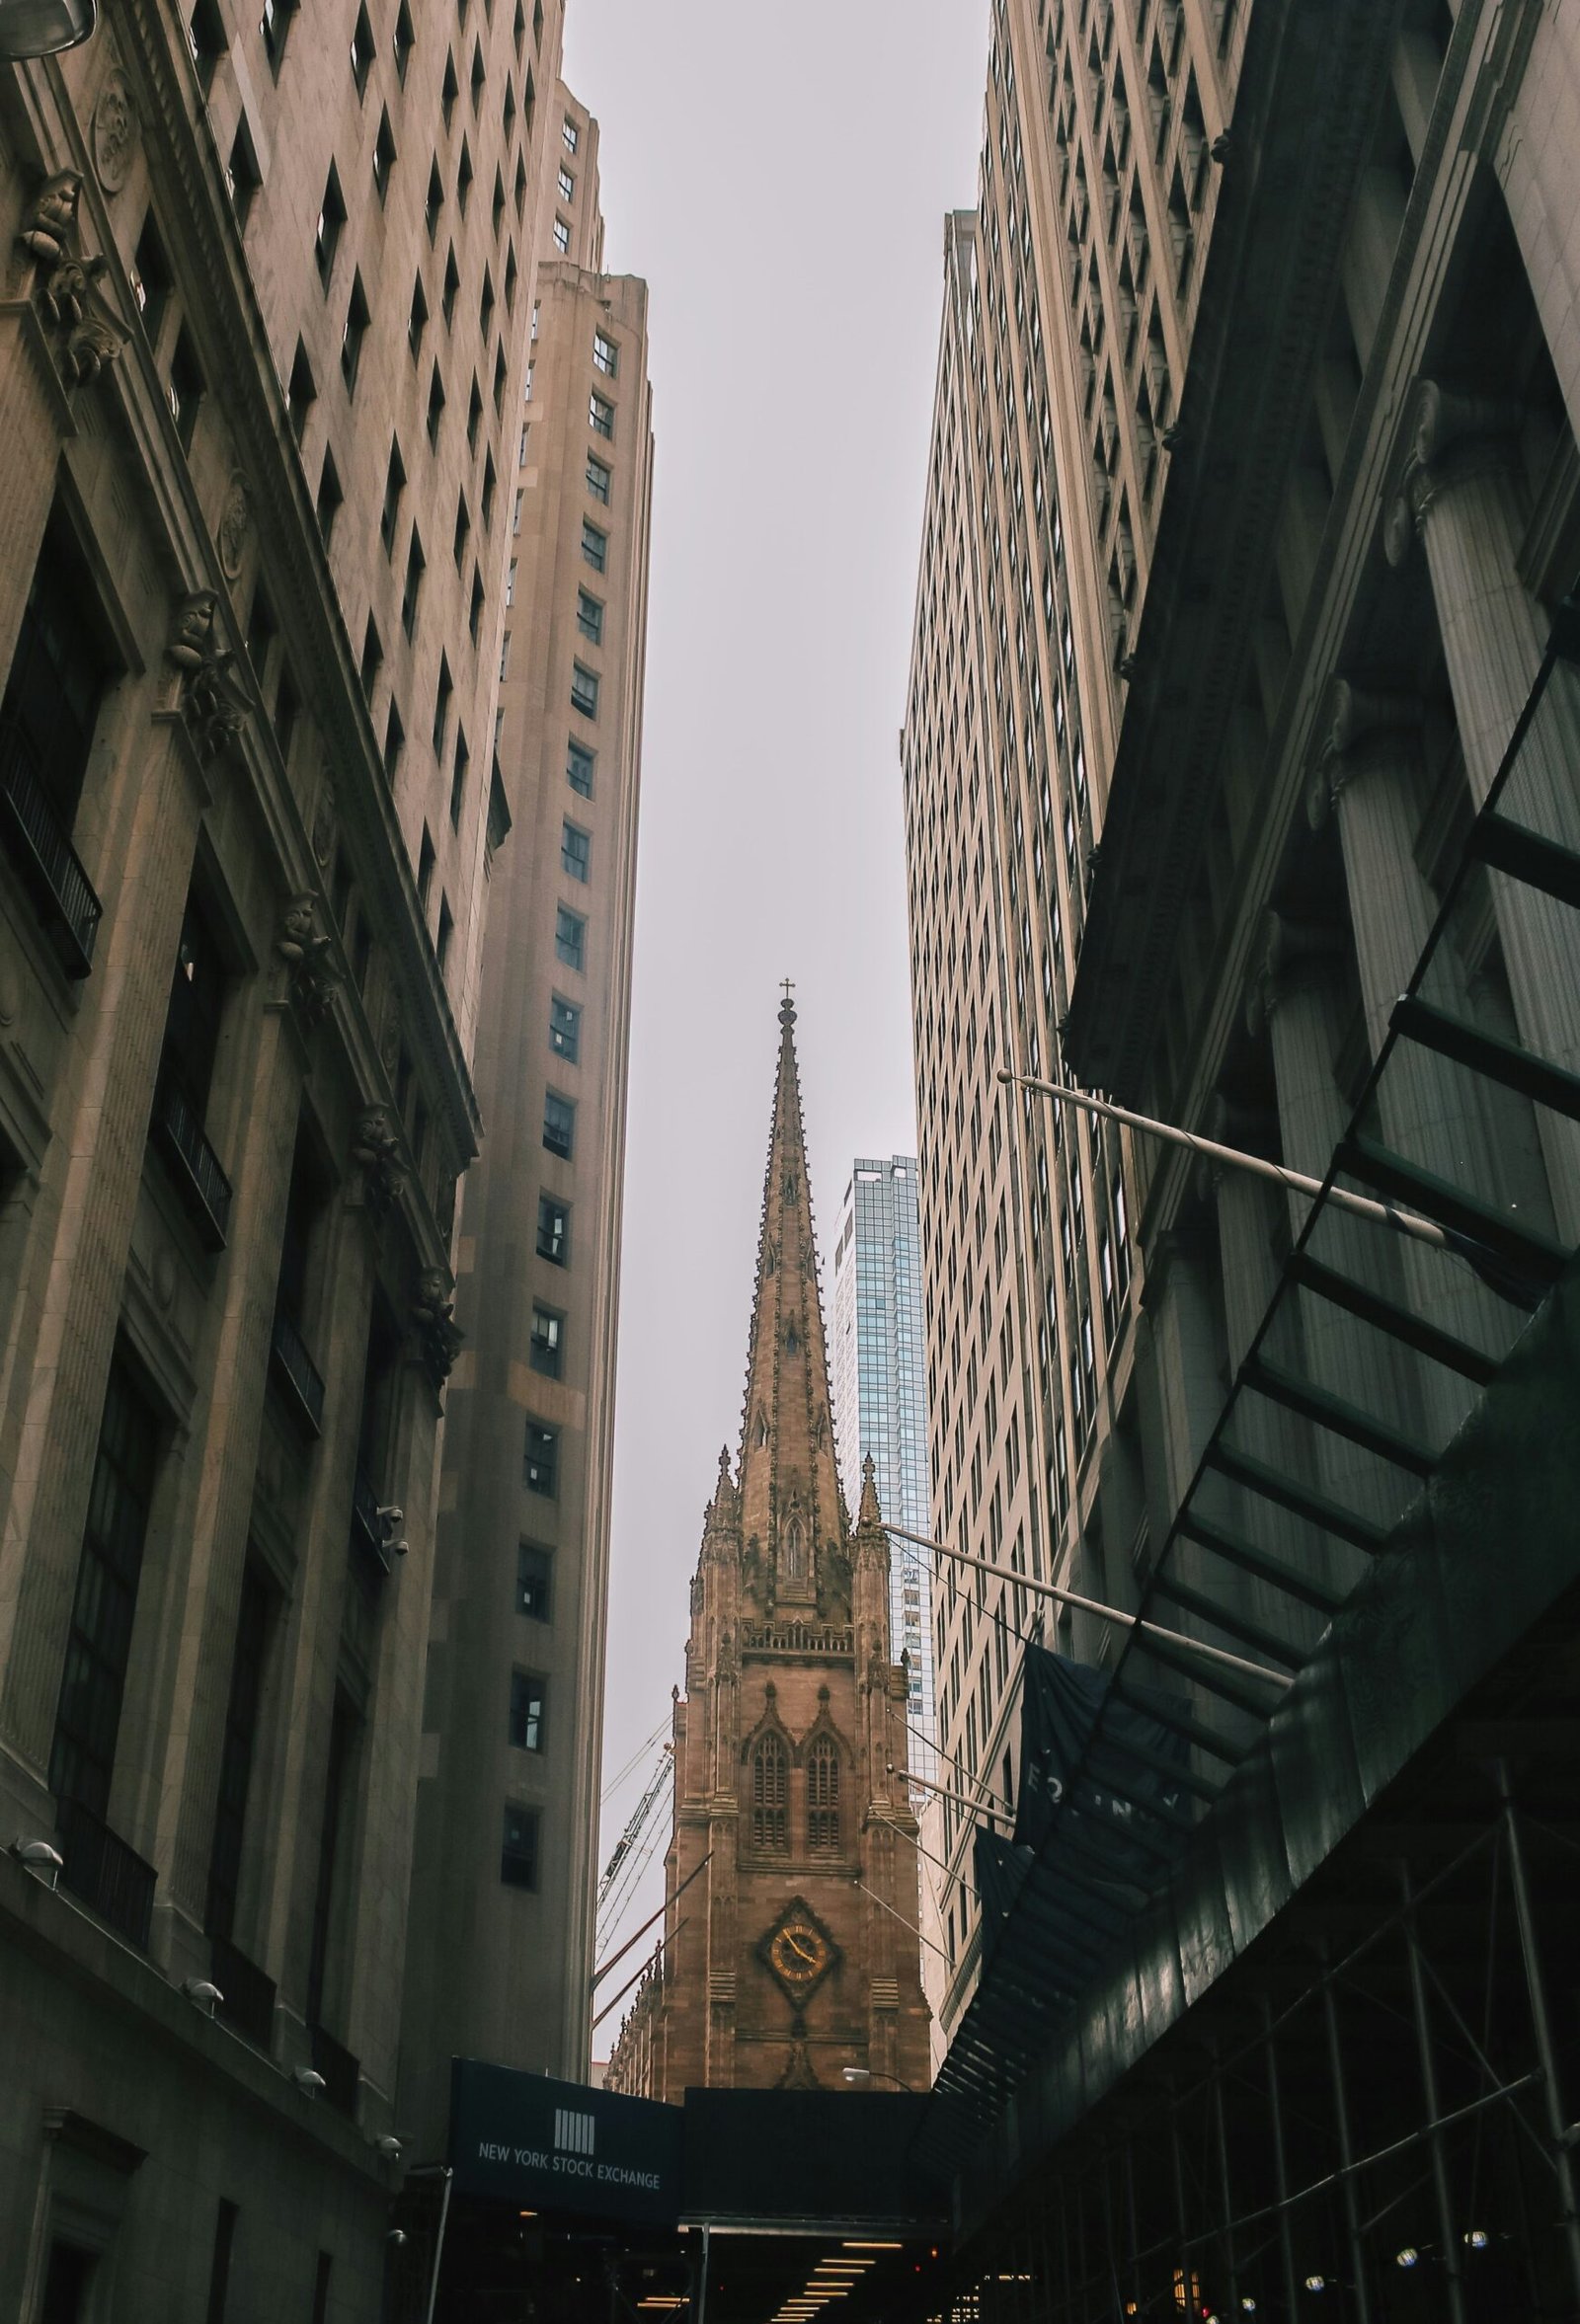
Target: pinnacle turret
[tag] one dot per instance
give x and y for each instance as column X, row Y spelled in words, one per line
column 791, row 1513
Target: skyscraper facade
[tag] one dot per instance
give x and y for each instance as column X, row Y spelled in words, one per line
column 880, row 1401
column 263, row 348
column 788, row 1952
column 1097, row 612
column 513, row 1707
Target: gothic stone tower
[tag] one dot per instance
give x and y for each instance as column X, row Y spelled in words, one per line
column 790, row 1741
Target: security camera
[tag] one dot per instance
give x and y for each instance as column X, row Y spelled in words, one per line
column 398, row 1548
column 396, row 2238
column 202, row 1994
column 389, row 2147
column 308, row 2082
column 391, row 1516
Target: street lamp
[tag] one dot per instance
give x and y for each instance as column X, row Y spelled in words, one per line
column 858, row 2076
column 42, row 28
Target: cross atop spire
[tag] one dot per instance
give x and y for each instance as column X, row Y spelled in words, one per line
column 790, row 1499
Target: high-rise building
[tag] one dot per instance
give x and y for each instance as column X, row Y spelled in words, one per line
column 1248, row 519
column 262, row 360
column 880, row 1402
column 790, row 1877
column 513, row 1719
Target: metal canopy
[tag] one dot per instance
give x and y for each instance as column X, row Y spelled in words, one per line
column 1306, row 1477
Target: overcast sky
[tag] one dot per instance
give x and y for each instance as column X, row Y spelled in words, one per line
column 780, row 177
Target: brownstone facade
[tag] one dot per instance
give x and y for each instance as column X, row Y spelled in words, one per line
column 789, row 1950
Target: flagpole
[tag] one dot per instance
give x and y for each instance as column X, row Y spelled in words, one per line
column 1295, row 1181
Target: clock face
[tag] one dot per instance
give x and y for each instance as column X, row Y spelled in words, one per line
column 799, row 1951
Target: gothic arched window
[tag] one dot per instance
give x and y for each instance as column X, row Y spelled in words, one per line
column 823, row 1797
column 795, row 1552
column 770, row 1789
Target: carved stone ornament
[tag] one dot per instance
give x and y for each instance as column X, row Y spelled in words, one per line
column 308, row 958
column 438, row 1334
column 235, row 521
column 115, row 130
column 86, row 336
column 210, row 695
column 376, row 1151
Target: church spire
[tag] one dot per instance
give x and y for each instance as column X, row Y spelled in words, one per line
column 791, row 1508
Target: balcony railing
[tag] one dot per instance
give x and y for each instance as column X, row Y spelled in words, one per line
column 247, row 1995
column 103, row 1874
column 192, row 1164
column 368, row 1534
column 62, row 896
column 341, row 2071
column 297, row 1373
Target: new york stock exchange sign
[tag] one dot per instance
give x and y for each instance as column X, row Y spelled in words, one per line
column 562, row 2147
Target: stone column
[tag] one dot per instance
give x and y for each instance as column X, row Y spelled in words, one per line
column 34, row 422
column 87, row 1203
column 1429, row 1112
column 1459, row 494
column 1297, row 997
column 1534, row 134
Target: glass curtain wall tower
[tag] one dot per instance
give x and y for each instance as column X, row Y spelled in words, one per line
column 880, row 1400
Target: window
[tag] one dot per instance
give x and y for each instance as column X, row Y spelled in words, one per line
column 328, row 497
column 518, row 1849
column 554, row 1230
column 274, row 26
column 426, row 862
column 384, row 156
column 474, row 415
column 452, row 285
column 394, row 741
column 823, row 1797
column 595, row 545
column 576, row 850
column 300, row 390
column 546, row 1342
column 601, row 415
column 416, row 565
column 98, row 1642
column 362, row 50
column 372, row 658
column 589, row 617
column 559, row 1124
column 463, row 760
column 584, row 690
column 542, row 1459
column 463, row 531
column 565, row 1029
column 356, row 330
column 450, row 90
column 579, row 765
column 463, row 178
column 562, row 237
column 446, row 929
column 405, row 42
column 51, row 705
column 417, row 322
column 394, row 486
column 331, row 225
column 186, row 388
column 534, row 1574
column 441, row 706
column 569, row 134
column 770, row 1789
column 598, row 480
column 149, row 277
column 567, row 184
column 528, row 1693
column 474, row 618
column 570, row 937
column 606, row 355
column 243, row 176
column 435, row 405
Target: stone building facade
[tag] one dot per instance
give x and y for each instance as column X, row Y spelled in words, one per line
column 789, row 1950
column 266, row 286
column 507, row 1800
column 1260, row 535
